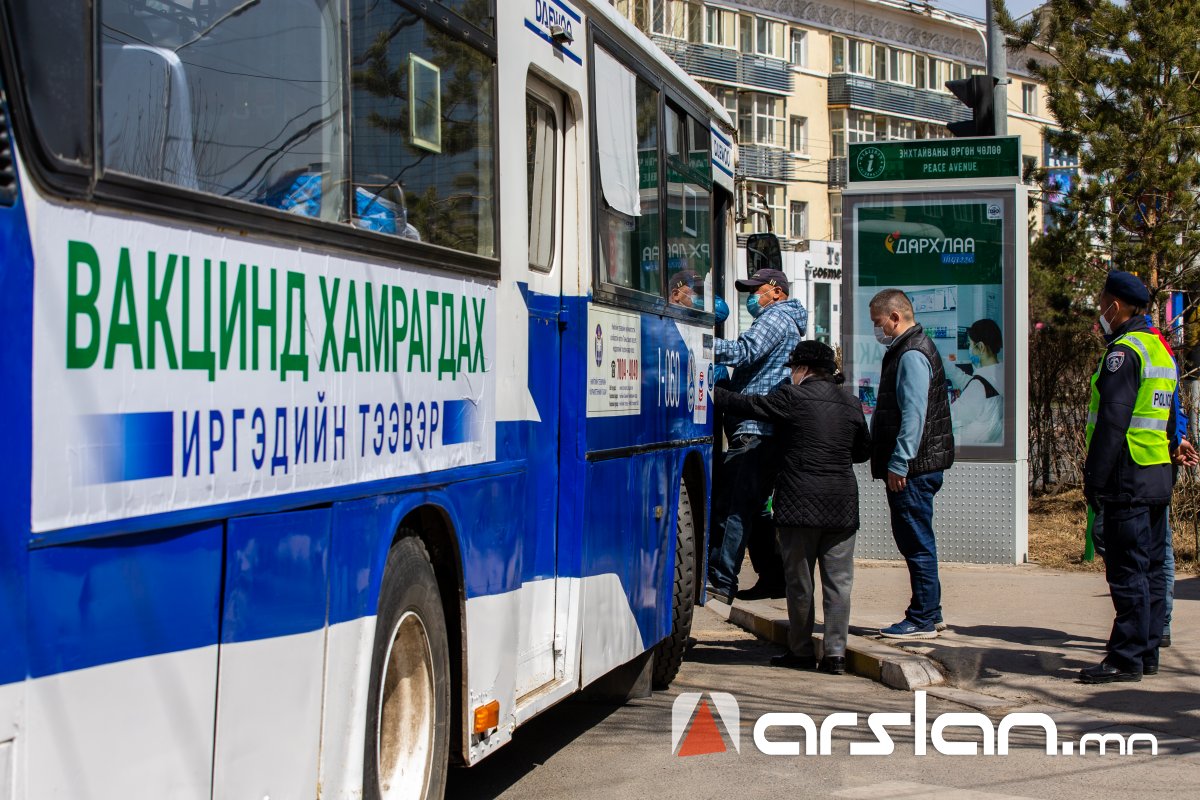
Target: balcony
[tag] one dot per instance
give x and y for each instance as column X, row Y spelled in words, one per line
column 890, row 98
column 765, row 163
column 706, row 62
column 837, row 171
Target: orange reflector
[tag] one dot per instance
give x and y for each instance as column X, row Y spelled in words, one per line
column 487, row 717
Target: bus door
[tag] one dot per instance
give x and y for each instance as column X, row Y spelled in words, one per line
column 540, row 652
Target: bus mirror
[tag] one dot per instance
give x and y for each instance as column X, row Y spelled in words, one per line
column 762, row 252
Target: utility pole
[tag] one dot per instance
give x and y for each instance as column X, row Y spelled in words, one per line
column 997, row 68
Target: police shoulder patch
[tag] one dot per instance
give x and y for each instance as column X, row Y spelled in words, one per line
column 1114, row 360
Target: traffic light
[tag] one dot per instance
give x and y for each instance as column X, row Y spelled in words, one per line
column 976, row 92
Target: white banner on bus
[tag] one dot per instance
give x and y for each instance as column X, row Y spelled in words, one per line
column 176, row 369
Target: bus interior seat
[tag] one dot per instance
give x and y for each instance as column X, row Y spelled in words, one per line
column 147, row 114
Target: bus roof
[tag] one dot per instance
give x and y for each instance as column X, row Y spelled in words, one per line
column 662, row 60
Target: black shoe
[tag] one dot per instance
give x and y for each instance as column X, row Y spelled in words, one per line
column 793, row 661
column 1150, row 664
column 1105, row 672
column 761, row 591
column 834, row 665
column 1166, row 640
column 718, row 595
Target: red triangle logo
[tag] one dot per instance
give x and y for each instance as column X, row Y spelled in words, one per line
column 703, row 737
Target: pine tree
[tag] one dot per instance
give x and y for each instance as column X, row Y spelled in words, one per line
column 1123, row 84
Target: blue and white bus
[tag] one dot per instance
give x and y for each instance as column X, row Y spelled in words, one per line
column 355, row 365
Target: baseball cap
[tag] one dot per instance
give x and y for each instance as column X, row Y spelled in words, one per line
column 685, row 277
column 764, row 277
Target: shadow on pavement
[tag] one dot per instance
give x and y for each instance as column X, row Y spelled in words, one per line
column 532, row 745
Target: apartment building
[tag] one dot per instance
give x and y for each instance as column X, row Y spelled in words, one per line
column 803, row 80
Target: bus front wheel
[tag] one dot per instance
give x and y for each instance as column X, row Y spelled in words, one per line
column 408, row 705
column 668, row 654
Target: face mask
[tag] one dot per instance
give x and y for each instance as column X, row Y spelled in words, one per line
column 975, row 360
column 698, row 303
column 753, row 307
column 720, row 309
column 1105, row 325
column 882, row 337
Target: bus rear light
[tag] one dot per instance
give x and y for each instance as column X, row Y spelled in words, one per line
column 487, row 717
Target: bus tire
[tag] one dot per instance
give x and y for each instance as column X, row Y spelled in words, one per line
column 668, row 654
column 407, row 742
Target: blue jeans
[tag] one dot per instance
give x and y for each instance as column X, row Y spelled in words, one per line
column 912, row 528
column 746, row 482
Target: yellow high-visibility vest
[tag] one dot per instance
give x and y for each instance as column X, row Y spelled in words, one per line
column 1147, row 436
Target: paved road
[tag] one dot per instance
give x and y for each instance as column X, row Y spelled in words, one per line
column 595, row 751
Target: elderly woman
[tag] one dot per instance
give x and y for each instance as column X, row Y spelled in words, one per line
column 822, row 434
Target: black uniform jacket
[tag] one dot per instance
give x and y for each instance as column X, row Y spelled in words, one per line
column 821, row 433
column 1110, row 474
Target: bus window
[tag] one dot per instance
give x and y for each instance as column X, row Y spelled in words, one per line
column 244, row 105
column 421, row 115
column 689, row 218
column 541, row 145
column 627, row 147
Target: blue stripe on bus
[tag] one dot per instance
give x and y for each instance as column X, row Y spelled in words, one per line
column 128, row 447
column 542, row 34
column 570, row 12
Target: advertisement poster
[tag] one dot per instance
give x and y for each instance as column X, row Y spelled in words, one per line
column 614, row 370
column 948, row 256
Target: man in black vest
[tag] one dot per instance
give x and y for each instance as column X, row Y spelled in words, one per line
column 913, row 442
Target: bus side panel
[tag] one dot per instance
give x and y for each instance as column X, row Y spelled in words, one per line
column 491, row 539
column 123, row 656
column 16, row 344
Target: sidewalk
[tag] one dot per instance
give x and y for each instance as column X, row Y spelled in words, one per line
column 1017, row 638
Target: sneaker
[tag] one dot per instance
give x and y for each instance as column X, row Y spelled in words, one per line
column 907, row 629
column 720, row 596
column 939, row 626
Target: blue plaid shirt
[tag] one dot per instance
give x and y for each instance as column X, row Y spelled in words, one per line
column 759, row 356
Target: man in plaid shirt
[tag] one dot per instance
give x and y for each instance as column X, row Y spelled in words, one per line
column 759, row 361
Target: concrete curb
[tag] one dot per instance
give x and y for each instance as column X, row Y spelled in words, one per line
column 870, row 659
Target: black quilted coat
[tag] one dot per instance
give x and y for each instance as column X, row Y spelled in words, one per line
column 821, row 434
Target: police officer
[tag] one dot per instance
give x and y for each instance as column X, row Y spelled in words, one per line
column 1128, row 476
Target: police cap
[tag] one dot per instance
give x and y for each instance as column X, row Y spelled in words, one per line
column 1128, row 287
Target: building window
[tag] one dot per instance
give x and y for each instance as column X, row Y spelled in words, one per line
column 719, row 27
column 769, row 38
column 746, row 33
column 901, row 66
column 837, row 133
column 799, row 214
column 861, row 127
column 679, row 19
column 957, row 71
column 835, row 217
column 881, row 63
column 799, row 135
column 922, row 78
column 901, row 129
column 727, row 97
column 861, row 58
column 799, row 49
column 837, row 48
column 1029, row 99
column 763, row 201
column 821, row 318
column 760, row 119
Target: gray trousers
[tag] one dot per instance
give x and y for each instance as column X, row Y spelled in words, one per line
column 802, row 550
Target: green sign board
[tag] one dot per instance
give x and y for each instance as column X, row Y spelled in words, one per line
column 935, row 159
